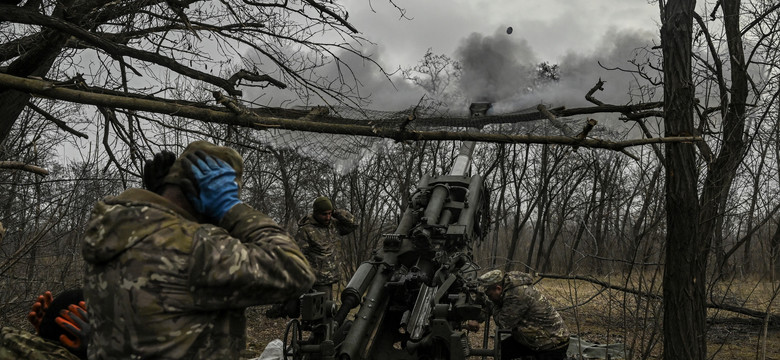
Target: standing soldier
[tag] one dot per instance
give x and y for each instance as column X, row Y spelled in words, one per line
column 538, row 331
column 319, row 237
column 170, row 273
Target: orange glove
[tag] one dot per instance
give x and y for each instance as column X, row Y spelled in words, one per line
column 74, row 320
column 38, row 309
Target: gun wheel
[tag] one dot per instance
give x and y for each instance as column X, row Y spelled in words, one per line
column 292, row 340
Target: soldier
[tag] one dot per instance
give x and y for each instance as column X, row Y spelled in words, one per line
column 538, row 331
column 169, row 274
column 319, row 238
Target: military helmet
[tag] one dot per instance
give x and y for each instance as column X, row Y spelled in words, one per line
column 490, row 278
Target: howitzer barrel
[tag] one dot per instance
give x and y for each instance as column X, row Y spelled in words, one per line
column 468, row 215
column 462, row 162
column 433, row 212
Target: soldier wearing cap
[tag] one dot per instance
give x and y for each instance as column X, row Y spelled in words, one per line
column 170, row 273
column 538, row 330
column 319, row 236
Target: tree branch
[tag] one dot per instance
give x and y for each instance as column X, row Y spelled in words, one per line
column 117, row 51
column 61, row 124
column 561, row 126
column 330, row 12
column 251, row 76
column 736, row 309
column 15, row 165
column 252, row 120
column 589, row 96
column 759, row 18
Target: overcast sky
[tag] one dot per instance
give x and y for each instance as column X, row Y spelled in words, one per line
column 572, row 33
column 552, row 28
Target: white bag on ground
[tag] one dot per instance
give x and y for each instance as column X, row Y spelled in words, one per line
column 272, row 351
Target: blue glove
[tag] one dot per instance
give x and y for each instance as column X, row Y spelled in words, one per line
column 215, row 188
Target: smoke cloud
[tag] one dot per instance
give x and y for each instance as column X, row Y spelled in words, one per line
column 502, row 69
column 495, row 67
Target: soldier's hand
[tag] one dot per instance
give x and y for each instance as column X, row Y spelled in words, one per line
column 38, row 310
column 156, row 170
column 74, row 320
column 214, row 189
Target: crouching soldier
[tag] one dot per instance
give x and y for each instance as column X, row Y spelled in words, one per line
column 538, row 331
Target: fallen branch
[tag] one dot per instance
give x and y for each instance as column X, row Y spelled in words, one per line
column 585, row 130
column 252, row 120
column 771, row 318
column 15, row 165
column 603, row 284
column 554, row 120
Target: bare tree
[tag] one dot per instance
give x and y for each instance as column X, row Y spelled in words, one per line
column 176, row 50
column 438, row 75
column 686, row 257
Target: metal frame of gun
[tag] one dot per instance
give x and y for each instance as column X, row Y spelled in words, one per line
column 416, row 292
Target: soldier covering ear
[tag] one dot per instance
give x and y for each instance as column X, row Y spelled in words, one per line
column 169, row 275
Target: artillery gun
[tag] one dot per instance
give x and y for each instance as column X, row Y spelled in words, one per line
column 417, row 291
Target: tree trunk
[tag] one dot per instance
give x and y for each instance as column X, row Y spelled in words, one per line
column 684, row 275
column 582, row 226
column 774, row 257
column 500, row 208
column 34, row 62
column 517, row 222
column 540, row 226
column 721, row 174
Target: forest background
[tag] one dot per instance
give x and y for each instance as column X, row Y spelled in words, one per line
column 668, row 206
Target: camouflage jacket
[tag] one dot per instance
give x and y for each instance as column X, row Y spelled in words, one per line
column 322, row 244
column 18, row 344
column 533, row 320
column 160, row 285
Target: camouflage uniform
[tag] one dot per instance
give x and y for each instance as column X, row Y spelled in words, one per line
column 161, row 285
column 534, row 322
column 18, row 344
column 322, row 244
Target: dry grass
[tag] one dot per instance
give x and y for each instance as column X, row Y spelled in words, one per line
column 611, row 316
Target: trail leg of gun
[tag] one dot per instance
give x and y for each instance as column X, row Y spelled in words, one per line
column 368, row 319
